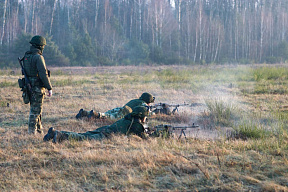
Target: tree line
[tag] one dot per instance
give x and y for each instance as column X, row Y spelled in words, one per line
column 129, row 32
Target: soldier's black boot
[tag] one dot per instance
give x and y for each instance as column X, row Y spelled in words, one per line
column 59, row 137
column 93, row 115
column 50, row 134
column 79, row 115
column 39, row 129
column 82, row 113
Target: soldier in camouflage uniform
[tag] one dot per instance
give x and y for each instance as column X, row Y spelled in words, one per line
column 119, row 112
column 130, row 124
column 35, row 68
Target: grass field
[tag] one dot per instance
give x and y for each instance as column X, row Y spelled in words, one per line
column 241, row 145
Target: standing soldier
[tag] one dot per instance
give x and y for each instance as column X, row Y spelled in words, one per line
column 35, row 68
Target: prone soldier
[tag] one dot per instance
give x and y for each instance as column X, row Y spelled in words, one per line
column 118, row 112
column 133, row 123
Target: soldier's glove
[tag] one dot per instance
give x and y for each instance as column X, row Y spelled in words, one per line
column 50, row 93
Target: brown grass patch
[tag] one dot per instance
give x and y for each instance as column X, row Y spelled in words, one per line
column 209, row 163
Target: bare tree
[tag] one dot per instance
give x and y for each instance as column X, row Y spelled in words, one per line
column 52, row 16
column 4, row 21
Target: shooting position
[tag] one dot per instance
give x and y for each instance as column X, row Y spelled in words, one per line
column 133, row 123
column 119, row 112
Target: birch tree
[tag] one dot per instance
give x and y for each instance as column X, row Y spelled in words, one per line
column 52, row 17
column 3, row 22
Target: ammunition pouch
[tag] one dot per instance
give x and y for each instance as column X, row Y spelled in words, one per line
column 126, row 110
column 25, row 95
column 21, row 83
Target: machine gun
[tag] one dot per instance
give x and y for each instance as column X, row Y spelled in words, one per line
column 164, row 108
column 25, row 83
column 168, row 130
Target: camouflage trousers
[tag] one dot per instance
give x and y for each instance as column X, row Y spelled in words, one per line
column 115, row 113
column 89, row 135
column 118, row 112
column 36, row 105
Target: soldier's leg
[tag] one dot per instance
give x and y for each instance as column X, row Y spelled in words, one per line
column 59, row 136
column 89, row 135
column 115, row 113
column 56, row 136
column 94, row 115
column 36, row 106
column 39, row 124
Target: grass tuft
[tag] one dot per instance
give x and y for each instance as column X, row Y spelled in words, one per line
column 221, row 112
column 251, row 130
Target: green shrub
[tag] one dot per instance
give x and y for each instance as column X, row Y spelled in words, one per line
column 251, row 130
column 220, row 112
column 270, row 73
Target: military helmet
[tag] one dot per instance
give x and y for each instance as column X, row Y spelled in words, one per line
column 147, row 97
column 38, row 40
column 140, row 111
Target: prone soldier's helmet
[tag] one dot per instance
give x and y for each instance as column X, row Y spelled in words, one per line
column 147, row 97
column 38, row 40
column 140, row 111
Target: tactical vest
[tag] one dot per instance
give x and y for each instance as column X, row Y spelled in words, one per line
column 31, row 69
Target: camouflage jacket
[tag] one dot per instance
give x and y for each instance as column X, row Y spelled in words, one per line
column 35, row 67
column 128, row 107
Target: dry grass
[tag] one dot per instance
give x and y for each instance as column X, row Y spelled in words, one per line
column 206, row 161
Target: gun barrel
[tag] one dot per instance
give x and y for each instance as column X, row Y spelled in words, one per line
column 186, row 127
column 177, row 105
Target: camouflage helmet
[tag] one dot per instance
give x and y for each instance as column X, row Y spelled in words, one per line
column 140, row 111
column 147, row 97
column 38, row 40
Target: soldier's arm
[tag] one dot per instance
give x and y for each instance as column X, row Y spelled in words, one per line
column 138, row 130
column 42, row 71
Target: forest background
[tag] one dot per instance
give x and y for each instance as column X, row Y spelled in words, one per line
column 129, row 32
